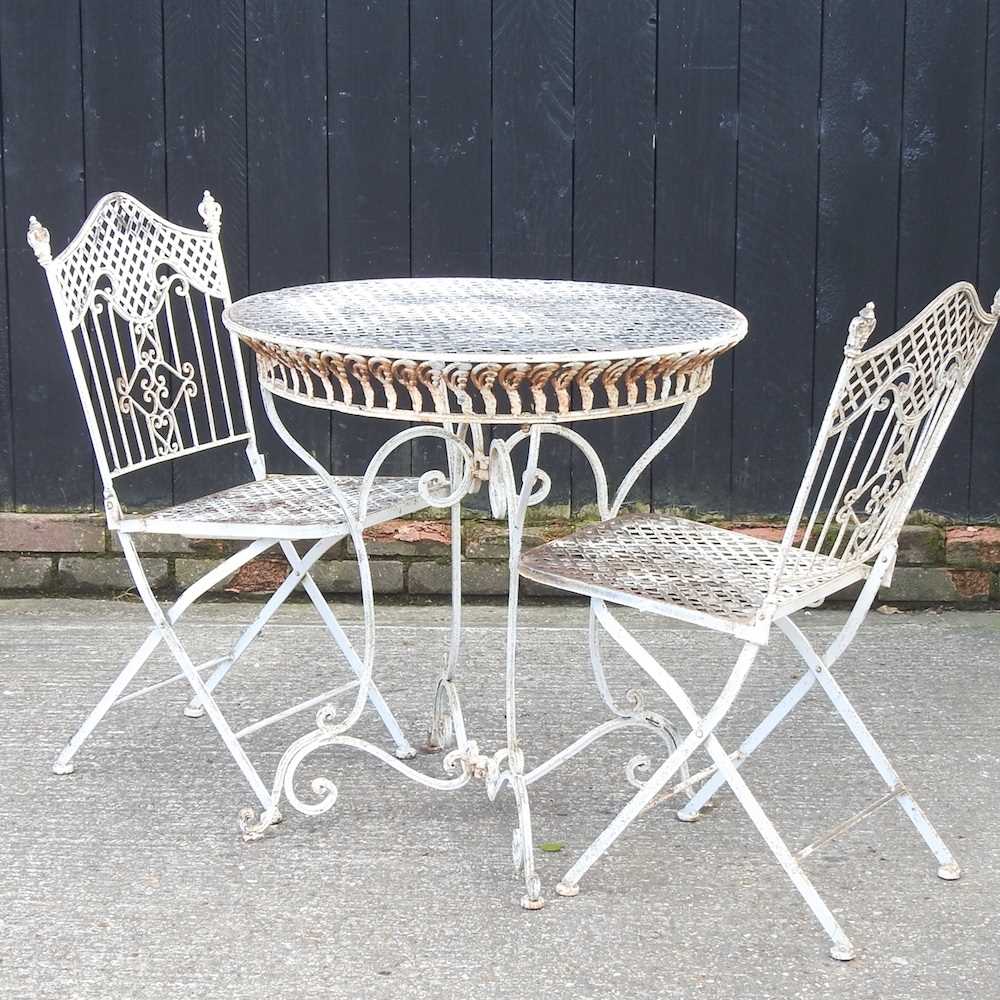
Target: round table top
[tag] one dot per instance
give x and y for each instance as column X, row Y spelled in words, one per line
column 482, row 319
column 439, row 346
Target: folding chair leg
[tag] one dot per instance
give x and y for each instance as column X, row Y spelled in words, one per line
column 701, row 728
column 692, row 810
column 404, row 750
column 842, row 949
column 949, row 869
column 637, row 711
column 218, row 720
column 569, row 886
column 300, row 574
column 702, row 732
column 165, row 630
column 63, row 764
column 193, row 710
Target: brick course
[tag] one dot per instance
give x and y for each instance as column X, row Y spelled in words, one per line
column 69, row 553
column 25, row 572
column 107, row 573
column 973, row 546
column 479, row 578
column 52, row 533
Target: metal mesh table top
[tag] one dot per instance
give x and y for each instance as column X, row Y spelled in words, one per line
column 487, row 319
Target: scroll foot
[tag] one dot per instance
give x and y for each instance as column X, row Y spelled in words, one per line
column 688, row 817
column 253, row 828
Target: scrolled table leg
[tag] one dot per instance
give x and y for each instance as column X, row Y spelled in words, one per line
column 510, row 502
column 507, row 500
column 331, row 729
column 442, row 725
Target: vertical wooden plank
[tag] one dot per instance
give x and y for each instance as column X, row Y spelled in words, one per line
column 6, row 428
column 533, row 159
column 450, row 123
column 287, row 177
column 533, row 138
column 369, row 129
column 124, row 147
column 43, row 174
column 369, row 180
column 776, row 251
column 205, row 116
column 696, row 143
column 613, row 195
column 939, row 191
column 205, row 113
column 985, row 485
column 123, row 100
column 858, row 178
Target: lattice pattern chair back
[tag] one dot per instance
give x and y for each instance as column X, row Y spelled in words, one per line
column 139, row 301
column 889, row 410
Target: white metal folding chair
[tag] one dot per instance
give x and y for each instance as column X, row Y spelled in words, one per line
column 890, row 408
column 138, row 300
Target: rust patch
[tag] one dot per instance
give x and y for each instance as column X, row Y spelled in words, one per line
column 769, row 532
column 970, row 584
column 976, row 533
column 261, row 576
column 973, row 545
column 409, row 531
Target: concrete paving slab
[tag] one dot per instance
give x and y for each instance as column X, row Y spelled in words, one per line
column 128, row 879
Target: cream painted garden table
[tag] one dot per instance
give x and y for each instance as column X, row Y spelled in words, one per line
column 455, row 356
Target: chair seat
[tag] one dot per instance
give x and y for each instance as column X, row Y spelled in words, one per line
column 684, row 569
column 284, row 507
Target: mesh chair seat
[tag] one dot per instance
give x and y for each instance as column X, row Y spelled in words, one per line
column 280, row 507
column 694, row 569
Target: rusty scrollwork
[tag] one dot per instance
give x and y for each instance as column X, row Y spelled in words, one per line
column 414, row 389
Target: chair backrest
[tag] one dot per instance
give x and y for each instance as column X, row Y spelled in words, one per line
column 889, row 410
column 139, row 302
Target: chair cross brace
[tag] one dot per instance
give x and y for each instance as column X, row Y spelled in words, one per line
column 169, row 680
column 819, row 671
column 203, row 701
column 853, row 821
column 702, row 734
column 737, row 757
column 725, row 767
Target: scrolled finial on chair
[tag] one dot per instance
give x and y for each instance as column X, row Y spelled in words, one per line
column 211, row 213
column 861, row 328
column 38, row 240
column 995, row 308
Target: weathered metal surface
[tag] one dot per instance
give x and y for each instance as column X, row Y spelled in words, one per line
column 890, row 408
column 721, row 577
column 486, row 349
column 160, row 381
column 481, row 320
column 489, row 352
column 280, row 506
